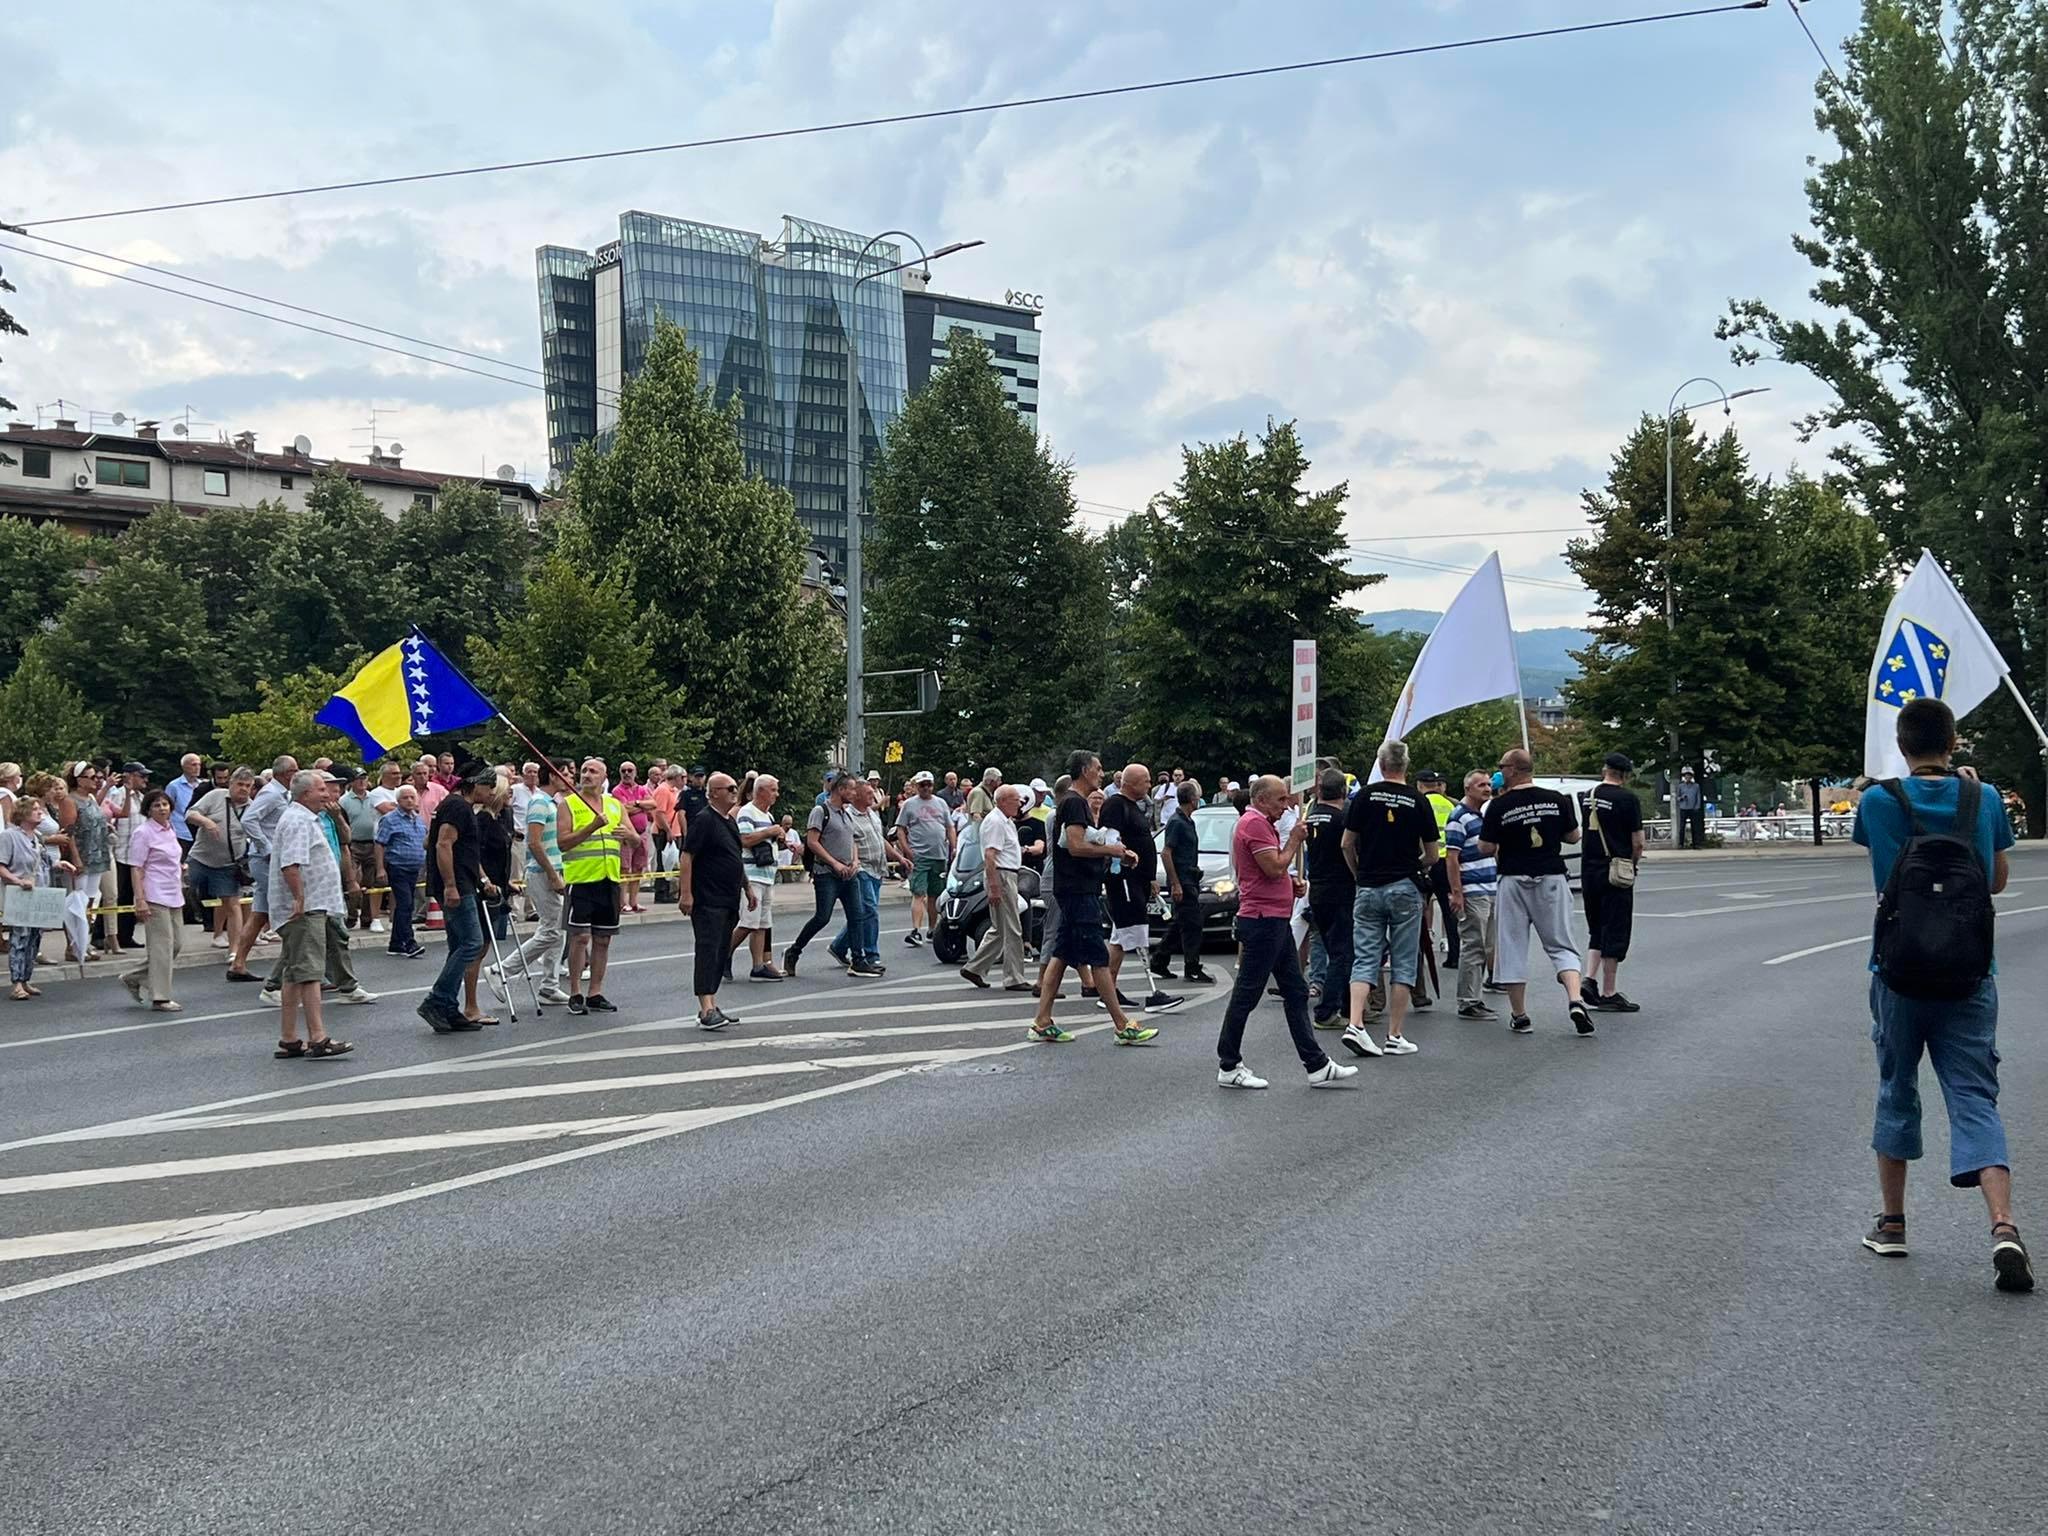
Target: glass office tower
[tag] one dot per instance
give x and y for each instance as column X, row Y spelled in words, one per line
column 769, row 321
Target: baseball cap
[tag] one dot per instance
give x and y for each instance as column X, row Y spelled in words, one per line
column 1040, row 787
column 1429, row 776
column 698, row 770
column 1620, row 763
column 330, row 775
column 874, row 775
column 485, row 775
column 135, row 768
column 922, row 776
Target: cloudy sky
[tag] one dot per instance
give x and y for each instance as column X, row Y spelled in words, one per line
column 1465, row 275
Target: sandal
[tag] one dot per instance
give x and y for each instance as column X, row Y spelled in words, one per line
column 33, row 991
column 483, row 1019
column 166, row 1005
column 286, row 1049
column 329, row 1046
column 20, row 994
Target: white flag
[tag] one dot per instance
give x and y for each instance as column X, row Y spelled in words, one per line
column 1468, row 658
column 1931, row 647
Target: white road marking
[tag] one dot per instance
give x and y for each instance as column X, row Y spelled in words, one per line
column 1864, row 938
column 665, row 1127
column 561, row 1089
column 143, row 1234
column 1765, row 906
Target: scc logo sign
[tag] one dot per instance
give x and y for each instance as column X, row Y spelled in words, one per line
column 1024, row 300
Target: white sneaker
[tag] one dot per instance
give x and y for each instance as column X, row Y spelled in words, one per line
column 1239, row 1076
column 1330, row 1075
column 376, row 925
column 1401, row 1045
column 357, row 996
column 219, row 941
column 1359, row 1043
column 553, row 994
column 496, row 978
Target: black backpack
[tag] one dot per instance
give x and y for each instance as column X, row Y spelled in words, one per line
column 1934, row 918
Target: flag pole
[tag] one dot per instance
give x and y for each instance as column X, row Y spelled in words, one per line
column 2027, row 710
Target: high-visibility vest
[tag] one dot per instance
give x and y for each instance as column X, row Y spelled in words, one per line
column 1445, row 808
column 597, row 856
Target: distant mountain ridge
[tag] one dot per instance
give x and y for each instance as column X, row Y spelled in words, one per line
column 1545, row 654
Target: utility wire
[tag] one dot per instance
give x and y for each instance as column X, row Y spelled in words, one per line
column 200, row 298
column 300, row 309
column 1821, row 53
column 935, row 115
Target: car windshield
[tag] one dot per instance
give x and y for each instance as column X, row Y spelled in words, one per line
column 1214, row 825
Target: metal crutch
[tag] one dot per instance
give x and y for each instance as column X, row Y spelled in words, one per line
column 497, row 959
column 519, row 950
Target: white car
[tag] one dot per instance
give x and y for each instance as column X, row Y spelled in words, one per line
column 1578, row 788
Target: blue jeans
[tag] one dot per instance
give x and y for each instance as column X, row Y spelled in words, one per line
column 1960, row 1040
column 465, row 930
column 1268, row 953
column 831, row 890
column 1386, row 920
column 866, row 943
column 405, row 889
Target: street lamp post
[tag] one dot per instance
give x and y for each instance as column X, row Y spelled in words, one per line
column 1672, row 411
column 855, row 659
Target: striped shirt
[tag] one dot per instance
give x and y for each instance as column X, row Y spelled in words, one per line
column 1461, row 836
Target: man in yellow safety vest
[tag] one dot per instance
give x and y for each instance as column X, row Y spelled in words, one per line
column 589, row 826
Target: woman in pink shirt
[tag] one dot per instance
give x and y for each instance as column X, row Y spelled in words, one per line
column 1265, row 913
column 159, row 901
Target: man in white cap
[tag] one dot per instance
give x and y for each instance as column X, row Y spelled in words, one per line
column 925, row 836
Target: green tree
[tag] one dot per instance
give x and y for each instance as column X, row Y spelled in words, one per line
column 1244, row 561
column 1838, row 584
column 460, row 561
column 980, row 572
column 135, row 645
column 283, row 721
column 576, row 674
column 226, row 555
column 43, row 719
column 43, row 563
column 1928, row 227
column 329, row 588
column 1125, row 553
column 1719, row 680
column 712, row 559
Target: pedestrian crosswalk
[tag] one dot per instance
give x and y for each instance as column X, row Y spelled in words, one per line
column 93, row 1201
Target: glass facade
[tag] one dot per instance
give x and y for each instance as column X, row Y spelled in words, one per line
column 769, row 320
column 568, row 366
column 929, row 320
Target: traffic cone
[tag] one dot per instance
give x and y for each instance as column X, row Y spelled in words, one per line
column 434, row 920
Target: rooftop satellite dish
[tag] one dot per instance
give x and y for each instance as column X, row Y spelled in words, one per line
column 120, row 420
column 507, row 472
column 395, row 449
column 302, row 443
column 181, row 429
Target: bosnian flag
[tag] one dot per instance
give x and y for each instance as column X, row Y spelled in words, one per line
column 1931, row 647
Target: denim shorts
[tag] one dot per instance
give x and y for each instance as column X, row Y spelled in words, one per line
column 259, row 872
column 211, row 884
column 1960, row 1038
column 1386, row 928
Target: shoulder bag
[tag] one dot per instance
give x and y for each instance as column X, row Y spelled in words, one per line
column 1621, row 873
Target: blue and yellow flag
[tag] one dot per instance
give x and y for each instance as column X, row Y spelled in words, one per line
column 407, row 690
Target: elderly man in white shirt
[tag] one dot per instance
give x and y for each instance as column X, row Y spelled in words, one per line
column 1001, row 858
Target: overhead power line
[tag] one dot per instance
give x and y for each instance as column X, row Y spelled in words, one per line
column 934, row 115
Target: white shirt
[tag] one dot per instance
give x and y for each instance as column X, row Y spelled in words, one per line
column 999, row 836
column 521, row 794
column 751, row 818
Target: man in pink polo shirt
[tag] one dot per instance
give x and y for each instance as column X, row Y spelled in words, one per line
column 1265, row 912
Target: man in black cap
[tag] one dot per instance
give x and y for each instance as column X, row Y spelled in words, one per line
column 692, row 801
column 455, row 877
column 1614, row 844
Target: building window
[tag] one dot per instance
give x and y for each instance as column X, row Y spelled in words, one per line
column 35, row 463
column 214, row 482
column 284, row 482
column 422, row 501
column 123, row 472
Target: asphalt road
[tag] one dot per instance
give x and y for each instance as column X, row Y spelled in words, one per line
column 872, row 1263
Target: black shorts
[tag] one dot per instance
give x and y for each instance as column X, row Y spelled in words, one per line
column 1127, row 900
column 1610, row 911
column 1078, row 940
column 594, row 907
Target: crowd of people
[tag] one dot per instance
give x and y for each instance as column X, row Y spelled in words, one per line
column 1341, row 897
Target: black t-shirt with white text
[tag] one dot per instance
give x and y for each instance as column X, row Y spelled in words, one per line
column 1621, row 818
column 466, row 854
column 1529, row 826
column 1327, row 871
column 1393, row 824
column 1072, row 876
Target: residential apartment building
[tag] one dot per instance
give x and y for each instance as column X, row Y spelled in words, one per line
column 100, row 482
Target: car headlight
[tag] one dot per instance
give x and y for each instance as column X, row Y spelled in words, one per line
column 1222, row 886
